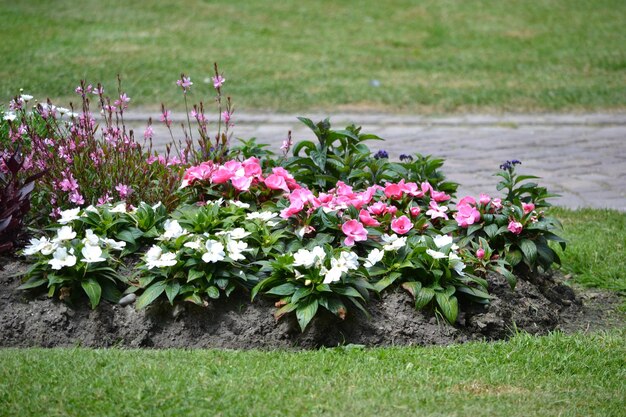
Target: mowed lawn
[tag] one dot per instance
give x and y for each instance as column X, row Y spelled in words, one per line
column 426, row 56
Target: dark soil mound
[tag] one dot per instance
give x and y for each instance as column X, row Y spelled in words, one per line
column 537, row 305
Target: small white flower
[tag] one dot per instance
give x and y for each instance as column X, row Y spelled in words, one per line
column 266, row 216
column 455, row 262
column 393, row 242
column 64, row 233
column 435, row 254
column 375, row 256
column 173, row 230
column 61, row 258
column 333, row 275
column 91, row 238
column 157, row 205
column 239, row 204
column 194, row 244
column 92, row 254
column 10, row 116
column 26, row 97
column 306, row 258
column 235, row 249
column 114, row 244
column 120, row 208
column 442, row 240
column 90, row 209
column 345, row 262
column 37, row 245
column 215, row 251
column 63, row 110
column 155, row 257
column 238, row 233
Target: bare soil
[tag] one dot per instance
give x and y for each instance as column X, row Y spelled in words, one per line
column 538, row 305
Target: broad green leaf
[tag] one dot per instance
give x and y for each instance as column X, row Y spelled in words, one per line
column 150, row 294
column 448, row 305
column 194, row 274
column 93, row 290
column 347, row 291
column 511, row 279
column 423, row 297
column 33, row 282
column 110, row 292
column 171, row 290
column 287, row 308
column 284, row 289
column 529, row 249
column 514, row 257
column 473, row 228
column 335, row 306
column 412, row 287
column 491, row 230
column 213, row 292
column 299, row 294
column 194, row 298
column 386, row 281
column 305, row 312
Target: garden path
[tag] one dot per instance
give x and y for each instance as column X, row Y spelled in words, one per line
column 582, row 157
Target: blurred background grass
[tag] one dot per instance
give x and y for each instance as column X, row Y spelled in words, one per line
column 426, row 56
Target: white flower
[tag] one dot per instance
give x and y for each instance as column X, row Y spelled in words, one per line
column 173, row 230
column 194, row 244
column 375, row 256
column 120, row 208
column 157, row 205
column 10, row 116
column 91, row 238
column 264, row 215
column 436, row 255
column 235, row 249
column 63, row 110
column 237, row 234
column 39, row 245
column 307, row 258
column 156, row 258
column 26, row 97
column 444, row 240
column 345, row 262
column 455, row 262
column 215, row 251
column 332, row 275
column 91, row 209
column 92, row 254
column 393, row 242
column 64, row 233
column 239, row 204
column 61, row 258
column 114, row 244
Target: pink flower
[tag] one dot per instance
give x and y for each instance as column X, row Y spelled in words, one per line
column 484, row 199
column 148, row 133
column 496, row 203
column 252, row 167
column 241, row 183
column 391, row 210
column 184, row 83
column 106, row 198
column 165, row 117
column 226, row 116
column 123, row 190
column 401, row 225
column 218, row 81
column 377, row 208
column 480, row 253
column 296, row 207
column 415, row 211
column 466, row 215
column 354, row 231
column 221, row 175
column 437, row 212
column 69, row 184
column 515, row 227
column 76, row 198
column 276, row 182
column 528, row 207
column 466, row 200
column 411, row 189
column 367, row 219
column 393, row 191
column 439, row 196
column 291, row 182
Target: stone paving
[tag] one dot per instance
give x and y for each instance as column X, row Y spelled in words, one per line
column 580, row 157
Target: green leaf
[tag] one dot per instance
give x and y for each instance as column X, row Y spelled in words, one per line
column 347, row 291
column 172, row 290
column 335, row 306
column 150, row 294
column 299, row 294
column 110, row 292
column 423, row 297
column 287, row 308
column 194, row 298
column 511, row 279
column 305, row 312
column 412, row 287
column 514, row 257
column 33, row 282
column 448, row 305
column 93, row 290
column 491, row 230
column 386, row 281
column 473, row 228
column 284, row 289
column 129, row 235
column 529, row 249
column 194, row 274
column 213, row 292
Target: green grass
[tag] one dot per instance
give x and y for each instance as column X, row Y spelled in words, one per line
column 527, row 376
column 596, row 247
column 429, row 56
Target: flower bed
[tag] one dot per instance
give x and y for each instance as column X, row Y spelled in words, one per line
column 325, row 230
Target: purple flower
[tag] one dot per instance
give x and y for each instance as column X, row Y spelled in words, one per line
column 123, row 190
column 382, row 154
column 226, row 116
column 218, row 80
column 184, row 83
column 405, row 157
